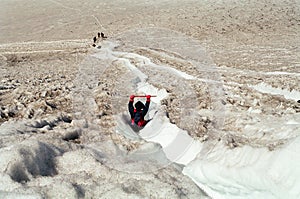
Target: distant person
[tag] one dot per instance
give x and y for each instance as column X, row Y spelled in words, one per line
column 98, row 34
column 138, row 113
column 95, row 39
column 103, row 36
column 298, row 101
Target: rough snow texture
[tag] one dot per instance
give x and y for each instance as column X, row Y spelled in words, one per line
column 81, row 154
column 64, row 123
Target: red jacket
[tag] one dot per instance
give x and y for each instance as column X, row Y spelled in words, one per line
column 137, row 116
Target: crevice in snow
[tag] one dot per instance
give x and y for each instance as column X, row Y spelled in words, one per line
column 178, row 146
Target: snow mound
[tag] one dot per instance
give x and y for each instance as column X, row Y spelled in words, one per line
column 28, row 160
column 248, row 172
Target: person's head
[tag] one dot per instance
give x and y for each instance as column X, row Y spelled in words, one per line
column 139, row 106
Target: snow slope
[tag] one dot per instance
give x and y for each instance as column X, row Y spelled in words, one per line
column 243, row 172
column 90, row 156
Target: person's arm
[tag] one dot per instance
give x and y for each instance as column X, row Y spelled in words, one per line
column 145, row 110
column 130, row 106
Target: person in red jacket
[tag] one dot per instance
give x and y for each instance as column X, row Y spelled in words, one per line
column 138, row 113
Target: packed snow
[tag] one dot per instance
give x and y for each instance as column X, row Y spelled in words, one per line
column 248, row 172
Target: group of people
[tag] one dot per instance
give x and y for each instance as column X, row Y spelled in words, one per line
column 100, row 35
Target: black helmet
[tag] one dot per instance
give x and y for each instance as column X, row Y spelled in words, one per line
column 139, row 106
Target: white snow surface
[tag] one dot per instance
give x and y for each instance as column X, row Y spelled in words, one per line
column 178, row 146
column 265, row 88
column 248, row 172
